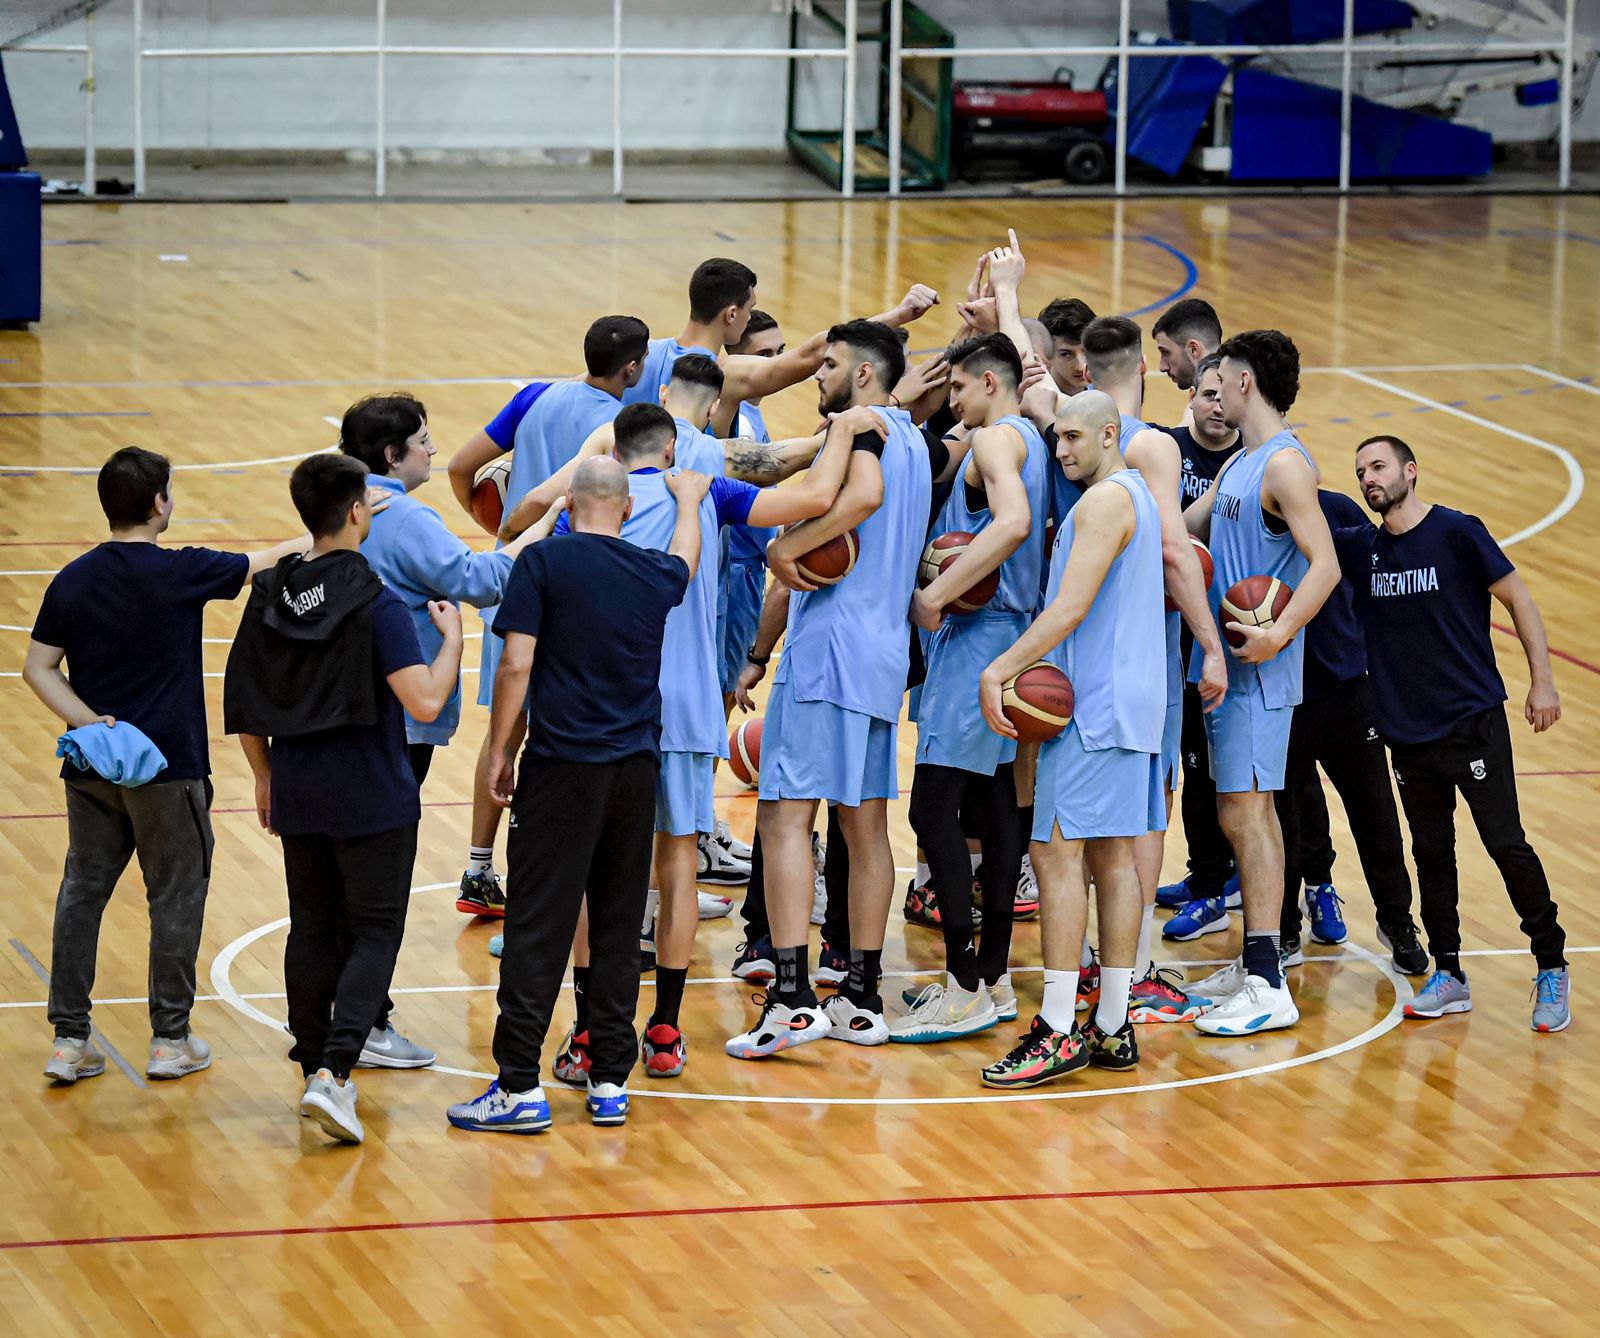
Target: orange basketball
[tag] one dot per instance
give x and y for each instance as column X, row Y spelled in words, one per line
column 1208, row 569
column 1038, row 701
column 744, row 751
column 830, row 563
column 941, row 551
column 1255, row 601
column 489, row 495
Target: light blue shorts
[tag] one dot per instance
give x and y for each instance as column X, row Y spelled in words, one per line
column 1171, row 758
column 1107, row 792
column 951, row 731
column 816, row 750
column 684, row 794
column 739, row 593
column 490, row 661
column 1248, row 740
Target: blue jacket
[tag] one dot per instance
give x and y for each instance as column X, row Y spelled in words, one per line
column 420, row 559
column 120, row 753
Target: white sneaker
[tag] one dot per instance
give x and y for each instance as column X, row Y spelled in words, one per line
column 945, row 1012
column 1004, row 999
column 725, row 838
column 1026, row 905
column 647, row 930
column 716, row 865
column 713, row 907
column 819, row 852
column 1258, row 1006
column 1221, row 985
column 71, row 1060
column 858, row 1026
column 333, row 1106
column 779, row 1027
column 819, row 900
column 175, row 1057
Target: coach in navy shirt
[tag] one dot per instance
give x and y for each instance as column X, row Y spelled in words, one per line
column 1422, row 582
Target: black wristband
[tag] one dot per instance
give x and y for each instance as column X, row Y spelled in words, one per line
column 760, row 661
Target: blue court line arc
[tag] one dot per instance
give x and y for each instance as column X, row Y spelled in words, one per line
column 81, row 413
column 1191, row 276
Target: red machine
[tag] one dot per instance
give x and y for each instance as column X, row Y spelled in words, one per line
column 1048, row 125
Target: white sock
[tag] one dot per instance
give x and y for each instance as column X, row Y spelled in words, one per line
column 1144, row 961
column 976, row 860
column 480, row 859
column 1060, row 1006
column 1086, row 956
column 922, row 874
column 1112, row 1010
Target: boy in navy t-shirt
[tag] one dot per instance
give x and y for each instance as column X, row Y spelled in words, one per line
column 1422, row 581
column 125, row 618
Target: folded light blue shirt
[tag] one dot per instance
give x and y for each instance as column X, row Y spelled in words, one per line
column 120, row 753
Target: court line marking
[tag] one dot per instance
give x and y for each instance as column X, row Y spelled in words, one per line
column 1574, row 470
column 95, row 1034
column 1564, row 380
column 1191, row 276
column 827, row 1205
column 211, row 464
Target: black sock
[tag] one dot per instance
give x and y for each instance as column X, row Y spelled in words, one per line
column 1261, row 958
column 669, row 994
column 1451, row 962
column 794, row 970
column 865, row 969
column 580, row 998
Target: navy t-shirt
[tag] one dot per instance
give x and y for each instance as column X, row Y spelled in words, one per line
column 355, row 781
column 128, row 616
column 1423, row 600
column 598, row 607
column 1201, row 464
column 1335, row 649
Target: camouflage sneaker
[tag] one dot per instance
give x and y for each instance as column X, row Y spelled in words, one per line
column 482, row 894
column 1041, row 1056
column 1117, row 1051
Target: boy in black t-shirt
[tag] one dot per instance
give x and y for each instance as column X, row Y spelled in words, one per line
column 1422, row 581
column 125, row 617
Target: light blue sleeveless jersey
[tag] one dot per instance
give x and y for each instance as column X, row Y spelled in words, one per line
column 551, row 432
column 657, row 370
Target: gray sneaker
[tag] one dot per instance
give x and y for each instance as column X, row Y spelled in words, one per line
column 333, row 1106
column 176, row 1057
column 388, row 1049
column 1442, row 994
column 1552, row 995
column 71, row 1060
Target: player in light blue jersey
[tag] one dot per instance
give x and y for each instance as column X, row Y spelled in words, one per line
column 1261, row 517
column 545, row 431
column 1096, row 788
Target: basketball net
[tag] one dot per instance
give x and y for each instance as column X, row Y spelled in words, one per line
column 22, row 19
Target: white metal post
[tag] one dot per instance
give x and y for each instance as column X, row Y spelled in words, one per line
column 1122, row 99
column 138, row 97
column 380, row 147
column 1566, row 97
column 90, row 166
column 897, row 37
column 616, row 97
column 1346, row 61
column 847, row 139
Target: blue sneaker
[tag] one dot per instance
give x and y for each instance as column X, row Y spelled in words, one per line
column 503, row 1112
column 607, row 1103
column 1196, row 919
column 833, row 967
column 1174, row 896
column 1322, row 909
column 497, row 945
column 1232, row 895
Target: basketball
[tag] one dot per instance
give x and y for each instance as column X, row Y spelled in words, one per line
column 830, row 563
column 489, row 495
column 1208, row 569
column 744, row 751
column 1038, row 701
column 939, row 554
column 1255, row 601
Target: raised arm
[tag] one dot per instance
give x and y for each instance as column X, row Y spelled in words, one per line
column 689, row 488
column 523, row 515
column 422, row 689
column 268, row 558
column 861, row 495
column 813, row 494
column 1006, row 267
column 1543, row 707
column 764, row 463
column 41, row 671
column 442, row 564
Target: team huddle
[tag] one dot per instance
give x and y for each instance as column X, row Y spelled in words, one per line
column 1082, row 607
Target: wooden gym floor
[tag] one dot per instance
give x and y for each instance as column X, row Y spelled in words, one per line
column 1352, row 1174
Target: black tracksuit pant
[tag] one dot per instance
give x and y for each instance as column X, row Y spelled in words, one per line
column 1210, row 855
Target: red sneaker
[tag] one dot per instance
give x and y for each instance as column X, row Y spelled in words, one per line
column 572, row 1060
column 663, row 1051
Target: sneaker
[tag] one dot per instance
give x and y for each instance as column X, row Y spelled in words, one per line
column 571, row 1063
column 607, row 1104
column 663, row 1052
column 717, row 866
column 1173, row 896
column 1157, row 998
column 72, row 1059
column 945, row 1013
column 1088, row 985
column 1404, row 947
column 333, row 1106
column 1220, row 985
column 481, row 894
column 1233, row 894
column 1291, row 952
column 498, row 1112
column 1552, row 995
column 1442, row 994
column 388, row 1049
column 921, row 905
column 756, row 962
column 781, row 1026
column 740, row 850
column 497, row 945
column 177, row 1057
column 819, row 898
column 1119, row 1050
column 1196, row 920
column 1256, row 1007
column 713, row 907
column 647, row 948
column 833, row 967
column 1322, row 910
column 856, row 1023
column 819, row 853
column 1026, row 906
column 1041, row 1056
column 1004, row 999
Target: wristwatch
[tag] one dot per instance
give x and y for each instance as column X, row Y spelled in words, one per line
column 760, row 661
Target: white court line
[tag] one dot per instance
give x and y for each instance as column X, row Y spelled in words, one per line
column 1564, row 380
column 1427, row 367
column 1574, row 470
column 210, row 464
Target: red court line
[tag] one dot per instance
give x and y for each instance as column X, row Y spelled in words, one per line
column 738, row 1210
column 1559, row 654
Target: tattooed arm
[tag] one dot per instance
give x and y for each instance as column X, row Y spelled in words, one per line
column 766, row 463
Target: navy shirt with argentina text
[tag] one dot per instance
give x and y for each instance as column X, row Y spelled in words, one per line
column 1423, row 599
column 128, row 616
column 1200, row 464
